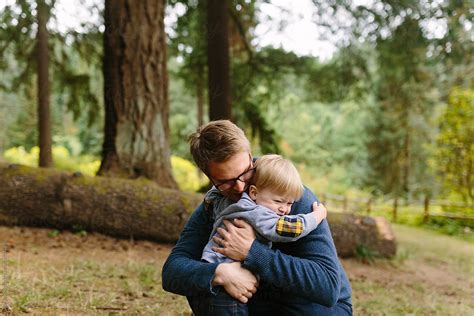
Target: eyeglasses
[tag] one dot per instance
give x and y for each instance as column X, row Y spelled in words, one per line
column 243, row 177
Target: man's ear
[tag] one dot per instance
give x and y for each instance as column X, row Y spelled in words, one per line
column 253, row 192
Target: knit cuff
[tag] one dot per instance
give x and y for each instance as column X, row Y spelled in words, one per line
column 210, row 273
column 258, row 258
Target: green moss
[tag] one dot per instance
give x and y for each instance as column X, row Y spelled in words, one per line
column 143, row 189
column 12, row 170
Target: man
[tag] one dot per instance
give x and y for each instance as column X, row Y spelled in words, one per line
column 298, row 278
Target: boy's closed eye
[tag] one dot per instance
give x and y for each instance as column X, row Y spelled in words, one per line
column 282, row 202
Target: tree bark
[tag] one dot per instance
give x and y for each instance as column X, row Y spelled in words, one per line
column 218, row 60
column 140, row 208
column 42, row 60
column 136, row 132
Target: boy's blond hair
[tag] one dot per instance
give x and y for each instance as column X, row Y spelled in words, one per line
column 279, row 175
column 217, row 141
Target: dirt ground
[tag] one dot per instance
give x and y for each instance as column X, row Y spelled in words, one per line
column 34, row 253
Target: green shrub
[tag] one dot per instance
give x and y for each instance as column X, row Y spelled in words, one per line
column 187, row 175
column 86, row 164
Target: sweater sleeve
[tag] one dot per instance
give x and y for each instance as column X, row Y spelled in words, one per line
column 281, row 228
column 183, row 272
column 309, row 266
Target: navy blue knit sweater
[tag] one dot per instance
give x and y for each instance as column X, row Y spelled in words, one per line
column 295, row 278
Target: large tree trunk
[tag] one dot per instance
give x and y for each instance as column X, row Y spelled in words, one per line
column 218, row 60
column 124, row 208
column 136, row 128
column 42, row 60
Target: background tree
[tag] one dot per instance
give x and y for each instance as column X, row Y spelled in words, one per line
column 220, row 104
column 400, row 119
column 42, row 61
column 188, row 42
column 72, row 67
column 136, row 131
column 455, row 155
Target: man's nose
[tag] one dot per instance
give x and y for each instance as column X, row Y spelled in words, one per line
column 239, row 186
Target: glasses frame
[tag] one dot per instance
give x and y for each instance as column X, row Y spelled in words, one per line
column 233, row 181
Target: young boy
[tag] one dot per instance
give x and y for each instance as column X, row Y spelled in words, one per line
column 276, row 186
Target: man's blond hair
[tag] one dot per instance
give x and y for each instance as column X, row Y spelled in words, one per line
column 217, row 141
column 279, row 175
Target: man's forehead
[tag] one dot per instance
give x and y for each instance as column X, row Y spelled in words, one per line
column 230, row 168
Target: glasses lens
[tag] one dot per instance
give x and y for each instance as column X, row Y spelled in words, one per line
column 247, row 175
column 226, row 185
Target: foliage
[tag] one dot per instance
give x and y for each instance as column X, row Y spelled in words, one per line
column 63, row 160
column 188, row 44
column 365, row 254
column 455, row 150
column 364, row 121
column 187, row 175
column 412, row 215
column 399, row 121
column 452, row 227
column 345, row 77
column 76, row 83
column 183, row 113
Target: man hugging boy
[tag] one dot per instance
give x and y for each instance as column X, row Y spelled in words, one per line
column 275, row 186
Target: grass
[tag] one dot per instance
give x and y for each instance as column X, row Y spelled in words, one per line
column 71, row 274
column 413, row 216
column 432, row 274
column 55, row 280
column 93, row 288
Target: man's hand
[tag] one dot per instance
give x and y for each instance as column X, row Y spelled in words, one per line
column 319, row 211
column 238, row 282
column 235, row 240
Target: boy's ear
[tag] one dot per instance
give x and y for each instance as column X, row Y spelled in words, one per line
column 253, row 192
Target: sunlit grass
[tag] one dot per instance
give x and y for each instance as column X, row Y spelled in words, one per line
column 91, row 287
column 409, row 284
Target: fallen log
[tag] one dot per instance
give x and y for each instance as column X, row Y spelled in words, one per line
column 124, row 208
column 139, row 209
column 356, row 235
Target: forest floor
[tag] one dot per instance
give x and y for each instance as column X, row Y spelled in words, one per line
column 62, row 273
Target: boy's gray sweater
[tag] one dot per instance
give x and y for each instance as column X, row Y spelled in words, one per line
column 268, row 225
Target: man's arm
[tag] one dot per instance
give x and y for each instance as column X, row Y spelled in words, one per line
column 312, row 271
column 183, row 272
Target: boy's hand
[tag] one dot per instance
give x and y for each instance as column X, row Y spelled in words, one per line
column 319, row 211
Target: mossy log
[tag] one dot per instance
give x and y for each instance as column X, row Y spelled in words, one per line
column 140, row 209
column 118, row 207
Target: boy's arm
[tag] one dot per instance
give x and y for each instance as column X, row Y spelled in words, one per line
column 278, row 228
